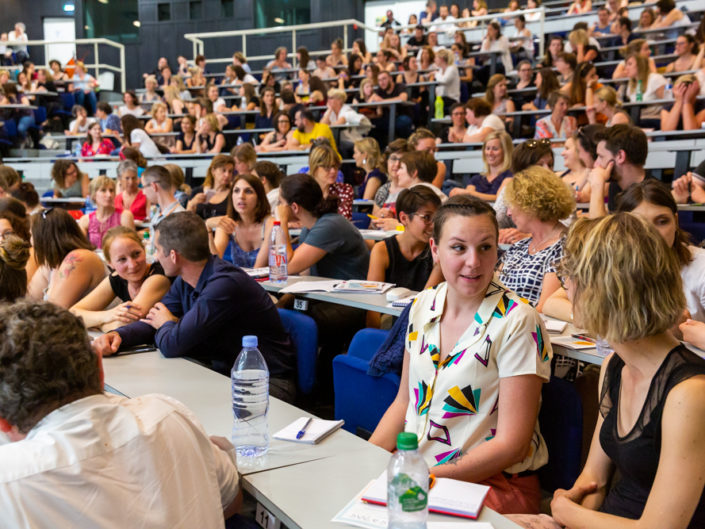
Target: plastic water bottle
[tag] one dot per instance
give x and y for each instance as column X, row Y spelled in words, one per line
column 639, row 91
column 668, row 91
column 603, row 347
column 438, row 105
column 250, row 389
column 148, row 246
column 278, row 272
column 407, row 485
column 76, row 149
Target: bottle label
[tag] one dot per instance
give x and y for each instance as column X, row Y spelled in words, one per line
column 410, row 495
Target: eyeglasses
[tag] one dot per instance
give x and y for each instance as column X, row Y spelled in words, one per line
column 427, row 218
column 532, row 144
column 394, row 158
column 45, row 212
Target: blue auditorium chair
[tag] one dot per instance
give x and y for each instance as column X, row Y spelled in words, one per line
column 361, row 399
column 304, row 334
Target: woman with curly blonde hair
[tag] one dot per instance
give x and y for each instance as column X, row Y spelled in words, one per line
column 538, row 200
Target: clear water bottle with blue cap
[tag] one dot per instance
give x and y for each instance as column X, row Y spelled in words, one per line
column 250, row 391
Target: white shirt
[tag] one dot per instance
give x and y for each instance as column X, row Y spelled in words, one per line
column 147, row 146
column 502, row 45
column 110, row 462
column 137, row 111
column 347, row 112
column 492, row 121
column 12, row 36
column 448, row 83
column 273, row 199
column 693, row 276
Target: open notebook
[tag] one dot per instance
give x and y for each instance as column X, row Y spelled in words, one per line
column 448, row 496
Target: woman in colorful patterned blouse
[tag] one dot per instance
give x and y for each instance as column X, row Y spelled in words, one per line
column 476, row 357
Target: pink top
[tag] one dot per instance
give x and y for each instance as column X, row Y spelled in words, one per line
column 97, row 229
column 138, row 206
column 106, row 147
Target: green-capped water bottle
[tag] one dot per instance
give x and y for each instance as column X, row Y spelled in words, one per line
column 407, row 485
column 438, row 107
column 639, row 91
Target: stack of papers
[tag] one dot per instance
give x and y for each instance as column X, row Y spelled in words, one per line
column 316, row 430
column 257, row 273
column 553, row 325
column 352, row 286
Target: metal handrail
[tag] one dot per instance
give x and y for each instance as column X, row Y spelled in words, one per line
column 198, row 44
column 97, row 66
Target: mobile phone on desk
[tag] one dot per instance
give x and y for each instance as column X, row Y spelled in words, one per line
column 135, row 349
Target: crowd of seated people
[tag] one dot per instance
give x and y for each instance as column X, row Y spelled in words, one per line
column 621, row 268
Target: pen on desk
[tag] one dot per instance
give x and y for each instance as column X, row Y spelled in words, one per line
column 583, row 337
column 302, row 431
column 372, row 216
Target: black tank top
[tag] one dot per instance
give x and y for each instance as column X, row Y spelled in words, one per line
column 119, row 285
column 636, row 455
column 409, row 274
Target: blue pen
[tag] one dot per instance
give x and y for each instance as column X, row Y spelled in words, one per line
column 302, row 431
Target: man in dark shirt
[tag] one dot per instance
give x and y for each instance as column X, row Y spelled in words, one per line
column 418, row 39
column 209, row 308
column 388, row 90
column 390, row 21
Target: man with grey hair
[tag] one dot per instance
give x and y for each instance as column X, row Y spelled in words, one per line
column 18, row 35
column 79, row 457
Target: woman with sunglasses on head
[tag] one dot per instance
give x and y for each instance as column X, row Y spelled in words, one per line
column 138, row 284
column 531, row 152
column 241, row 234
column 474, row 363
column 647, row 458
column 69, row 268
column 279, row 137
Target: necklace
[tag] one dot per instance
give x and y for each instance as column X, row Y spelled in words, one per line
column 538, row 246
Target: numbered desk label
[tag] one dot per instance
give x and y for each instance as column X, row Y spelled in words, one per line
column 301, row 304
column 266, row 519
